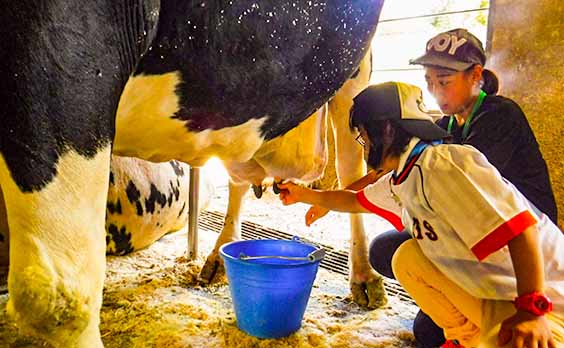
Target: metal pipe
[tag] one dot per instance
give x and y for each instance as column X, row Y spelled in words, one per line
column 433, row 15
column 193, row 197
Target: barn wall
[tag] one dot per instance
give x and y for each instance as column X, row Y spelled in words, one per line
column 526, row 46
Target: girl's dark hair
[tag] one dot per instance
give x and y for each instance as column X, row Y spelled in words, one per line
column 490, row 82
column 375, row 131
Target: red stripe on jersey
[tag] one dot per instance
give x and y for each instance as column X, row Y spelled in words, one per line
column 499, row 237
column 405, row 171
column 386, row 214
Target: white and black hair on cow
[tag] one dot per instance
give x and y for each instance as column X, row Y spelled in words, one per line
column 380, row 133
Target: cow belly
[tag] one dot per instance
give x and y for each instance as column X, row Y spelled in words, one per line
column 146, row 201
column 153, row 100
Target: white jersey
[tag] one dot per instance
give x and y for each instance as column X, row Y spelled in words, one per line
column 463, row 213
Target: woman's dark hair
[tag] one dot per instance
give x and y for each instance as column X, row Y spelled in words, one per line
column 490, row 82
column 375, row 131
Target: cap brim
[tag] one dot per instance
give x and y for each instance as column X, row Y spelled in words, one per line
column 425, row 130
column 441, row 61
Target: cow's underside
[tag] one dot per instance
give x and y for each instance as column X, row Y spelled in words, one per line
column 301, row 154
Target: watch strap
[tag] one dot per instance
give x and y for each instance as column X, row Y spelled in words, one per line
column 535, row 303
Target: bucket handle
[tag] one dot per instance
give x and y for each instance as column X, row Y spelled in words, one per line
column 315, row 255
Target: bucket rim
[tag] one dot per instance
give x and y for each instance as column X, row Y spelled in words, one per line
column 266, row 264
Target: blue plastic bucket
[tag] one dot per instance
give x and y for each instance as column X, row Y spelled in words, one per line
column 270, row 282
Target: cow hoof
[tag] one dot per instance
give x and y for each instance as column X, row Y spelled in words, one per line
column 208, row 271
column 258, row 191
column 370, row 294
column 212, row 272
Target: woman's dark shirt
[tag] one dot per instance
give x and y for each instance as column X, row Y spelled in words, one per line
column 499, row 129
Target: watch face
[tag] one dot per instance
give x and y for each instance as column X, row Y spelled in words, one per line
column 534, row 303
column 542, row 304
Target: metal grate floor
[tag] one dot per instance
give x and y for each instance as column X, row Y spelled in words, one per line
column 335, row 260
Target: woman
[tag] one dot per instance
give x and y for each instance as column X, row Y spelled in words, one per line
column 478, row 243
column 495, row 125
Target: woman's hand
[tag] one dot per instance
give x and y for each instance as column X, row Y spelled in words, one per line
column 314, row 213
column 290, row 193
column 525, row 330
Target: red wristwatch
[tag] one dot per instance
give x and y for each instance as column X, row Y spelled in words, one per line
column 535, row 302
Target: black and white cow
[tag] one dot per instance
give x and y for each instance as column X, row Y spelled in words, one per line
column 302, row 154
column 159, row 80
column 147, row 200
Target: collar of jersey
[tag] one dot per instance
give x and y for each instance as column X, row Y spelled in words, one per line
column 409, row 157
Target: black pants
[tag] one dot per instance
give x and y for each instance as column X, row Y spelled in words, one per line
column 382, row 248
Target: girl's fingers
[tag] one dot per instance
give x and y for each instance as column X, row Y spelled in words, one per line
column 518, row 342
column 285, row 197
column 309, row 217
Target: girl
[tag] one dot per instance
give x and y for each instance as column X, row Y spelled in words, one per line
column 483, row 262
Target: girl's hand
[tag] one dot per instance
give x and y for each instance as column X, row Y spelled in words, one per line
column 314, row 213
column 289, row 193
column 525, row 330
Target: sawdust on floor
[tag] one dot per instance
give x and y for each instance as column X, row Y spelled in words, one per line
column 152, row 299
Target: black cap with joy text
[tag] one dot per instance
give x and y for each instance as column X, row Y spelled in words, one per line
column 399, row 102
column 455, row 49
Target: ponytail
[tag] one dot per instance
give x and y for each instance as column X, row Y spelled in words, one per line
column 490, row 83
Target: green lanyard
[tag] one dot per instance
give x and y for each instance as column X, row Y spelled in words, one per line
column 466, row 128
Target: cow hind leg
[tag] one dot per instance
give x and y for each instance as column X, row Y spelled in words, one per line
column 57, row 251
column 213, row 267
column 366, row 285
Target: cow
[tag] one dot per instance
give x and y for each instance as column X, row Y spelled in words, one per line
column 147, row 200
column 157, row 80
column 301, row 154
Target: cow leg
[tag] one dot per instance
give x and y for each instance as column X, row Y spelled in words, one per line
column 231, row 231
column 366, row 285
column 57, row 251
